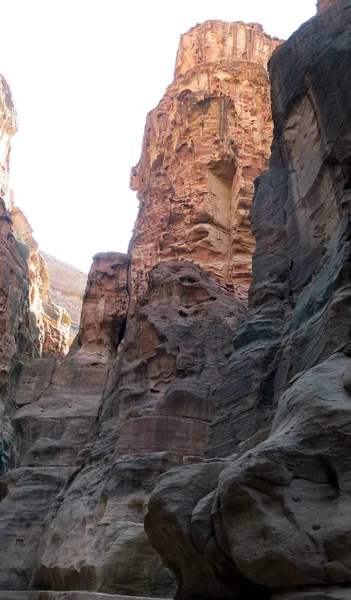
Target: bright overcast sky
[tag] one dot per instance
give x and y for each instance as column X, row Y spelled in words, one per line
column 84, row 74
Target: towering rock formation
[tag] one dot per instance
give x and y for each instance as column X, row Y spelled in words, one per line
column 131, row 406
column 273, row 513
column 204, row 145
column 134, row 396
column 67, row 285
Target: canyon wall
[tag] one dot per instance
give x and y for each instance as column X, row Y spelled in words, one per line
column 134, row 398
column 226, row 423
column 29, row 323
column 67, row 286
column 52, row 321
column 269, row 518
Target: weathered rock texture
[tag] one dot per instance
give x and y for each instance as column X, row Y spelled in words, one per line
column 204, row 145
column 156, row 410
column 52, row 321
column 67, row 288
column 324, row 4
column 133, row 398
column 8, row 128
column 274, row 512
column 58, row 404
column 18, row 329
column 146, row 389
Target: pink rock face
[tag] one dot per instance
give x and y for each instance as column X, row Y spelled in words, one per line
column 105, row 304
column 204, row 145
column 324, row 4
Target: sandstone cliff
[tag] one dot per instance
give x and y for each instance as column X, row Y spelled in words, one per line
column 52, row 321
column 67, row 286
column 204, row 145
column 272, row 514
column 133, row 398
column 168, row 367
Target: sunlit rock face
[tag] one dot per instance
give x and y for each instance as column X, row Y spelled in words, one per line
column 52, row 321
column 8, row 128
column 269, row 518
column 67, row 286
column 204, row 145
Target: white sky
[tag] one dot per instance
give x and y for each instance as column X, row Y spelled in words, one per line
column 84, row 74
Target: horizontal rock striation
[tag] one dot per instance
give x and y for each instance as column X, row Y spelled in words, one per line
column 156, row 410
column 58, row 404
column 203, row 146
column 275, row 516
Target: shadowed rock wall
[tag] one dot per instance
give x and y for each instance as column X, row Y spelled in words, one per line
column 272, row 513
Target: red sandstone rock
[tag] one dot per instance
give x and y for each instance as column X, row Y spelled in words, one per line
column 203, row 146
column 105, row 304
column 53, row 321
column 324, row 4
column 67, row 286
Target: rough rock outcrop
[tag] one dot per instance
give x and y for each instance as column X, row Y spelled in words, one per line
column 18, row 330
column 67, row 286
column 204, row 145
column 276, row 516
column 163, row 324
column 8, row 128
column 156, row 410
column 53, row 322
column 58, row 404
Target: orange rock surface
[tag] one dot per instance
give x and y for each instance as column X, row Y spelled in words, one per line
column 204, row 145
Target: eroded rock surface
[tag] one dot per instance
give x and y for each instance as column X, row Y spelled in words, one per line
column 204, row 145
column 156, row 411
column 276, row 516
column 67, row 288
column 58, row 404
column 52, row 321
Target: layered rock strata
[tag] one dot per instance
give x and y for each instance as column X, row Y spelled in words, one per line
column 57, row 409
column 67, row 286
column 203, row 146
column 155, row 335
column 156, row 410
column 272, row 511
